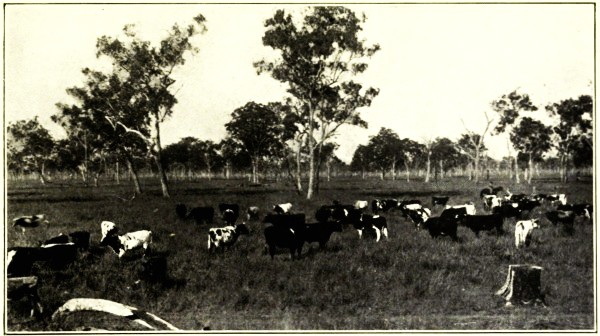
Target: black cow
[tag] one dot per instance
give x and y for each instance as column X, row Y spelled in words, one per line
column 81, row 239
column 528, row 205
column 479, row 223
column 202, row 215
column 291, row 220
column 284, row 237
column 438, row 226
column 181, row 210
column 320, row 232
column 21, row 259
column 583, row 209
column 324, row 213
column 508, row 210
column 384, row 205
column 561, row 216
column 457, row 214
column 229, row 212
column 439, row 200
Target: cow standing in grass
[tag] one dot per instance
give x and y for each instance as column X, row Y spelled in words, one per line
column 225, row 236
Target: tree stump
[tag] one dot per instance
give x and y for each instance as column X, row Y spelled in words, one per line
column 522, row 286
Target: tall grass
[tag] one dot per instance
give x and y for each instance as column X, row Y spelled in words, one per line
column 410, row 281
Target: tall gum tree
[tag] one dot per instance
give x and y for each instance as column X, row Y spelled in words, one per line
column 573, row 128
column 510, row 108
column 146, row 70
column 532, row 138
column 319, row 55
column 29, row 145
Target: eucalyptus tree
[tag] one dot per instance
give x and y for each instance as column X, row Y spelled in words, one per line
column 510, row 108
column 360, row 160
column 445, row 154
column 531, row 138
column 258, row 130
column 29, row 147
column 573, row 131
column 410, row 151
column 384, row 151
column 145, row 72
column 319, row 55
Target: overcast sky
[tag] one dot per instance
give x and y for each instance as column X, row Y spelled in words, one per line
column 438, row 63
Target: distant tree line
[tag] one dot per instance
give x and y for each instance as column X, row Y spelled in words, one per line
column 115, row 122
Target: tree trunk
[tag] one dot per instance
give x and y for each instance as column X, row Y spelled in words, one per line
column 299, row 167
column 311, row 153
column 164, row 184
column 407, row 172
column 117, row 173
column 394, row 169
column 441, row 169
column 254, row 170
column 522, row 285
column 428, row 167
column 318, row 168
column 516, row 158
column 133, row 175
column 328, row 167
column 42, row 173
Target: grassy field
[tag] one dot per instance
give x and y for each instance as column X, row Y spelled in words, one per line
column 409, row 282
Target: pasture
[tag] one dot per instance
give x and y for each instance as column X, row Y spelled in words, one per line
column 408, row 282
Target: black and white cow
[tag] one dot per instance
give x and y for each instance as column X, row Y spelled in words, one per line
column 524, row 231
column 557, row 198
column 129, row 241
column 490, row 202
column 21, row 259
column 225, row 236
column 29, row 221
column 491, row 190
column 419, row 216
column 361, row 205
column 283, row 208
column 384, row 205
column 469, row 207
column 508, row 210
column 373, row 224
column 408, row 205
column 81, row 239
column 320, row 232
column 561, row 216
column 439, row 200
column 229, row 212
column 479, row 223
column 582, row 209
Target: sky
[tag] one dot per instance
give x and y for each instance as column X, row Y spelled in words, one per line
column 439, row 68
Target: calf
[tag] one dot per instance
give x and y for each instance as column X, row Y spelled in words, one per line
column 252, row 213
column 469, row 207
column 283, row 208
column 225, row 236
column 438, row 226
column 320, row 232
column 439, row 200
column 523, row 232
column 129, row 241
column 292, row 220
column 479, row 223
column 229, row 212
column 375, row 224
column 284, row 237
column 25, row 288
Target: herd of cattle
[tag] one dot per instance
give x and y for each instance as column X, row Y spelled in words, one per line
column 289, row 230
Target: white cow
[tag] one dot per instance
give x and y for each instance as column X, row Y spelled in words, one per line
column 490, row 201
column 107, row 228
column 469, row 207
column 557, row 198
column 523, row 232
column 359, row 205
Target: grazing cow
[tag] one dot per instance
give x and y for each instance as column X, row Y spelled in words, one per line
column 81, row 239
column 229, row 212
column 252, row 213
column 25, row 288
column 561, row 216
column 384, row 205
column 439, row 200
column 283, row 208
column 225, row 236
column 202, row 215
column 291, row 220
column 320, row 232
column 523, row 232
column 508, row 210
column 108, row 228
column 479, row 223
column 361, row 205
column 29, row 221
column 583, row 209
column 438, row 226
column 469, row 207
column 129, row 241
column 557, row 198
column 284, row 237
column 490, row 202
column 372, row 224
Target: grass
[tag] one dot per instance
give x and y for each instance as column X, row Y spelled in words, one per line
column 408, row 282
